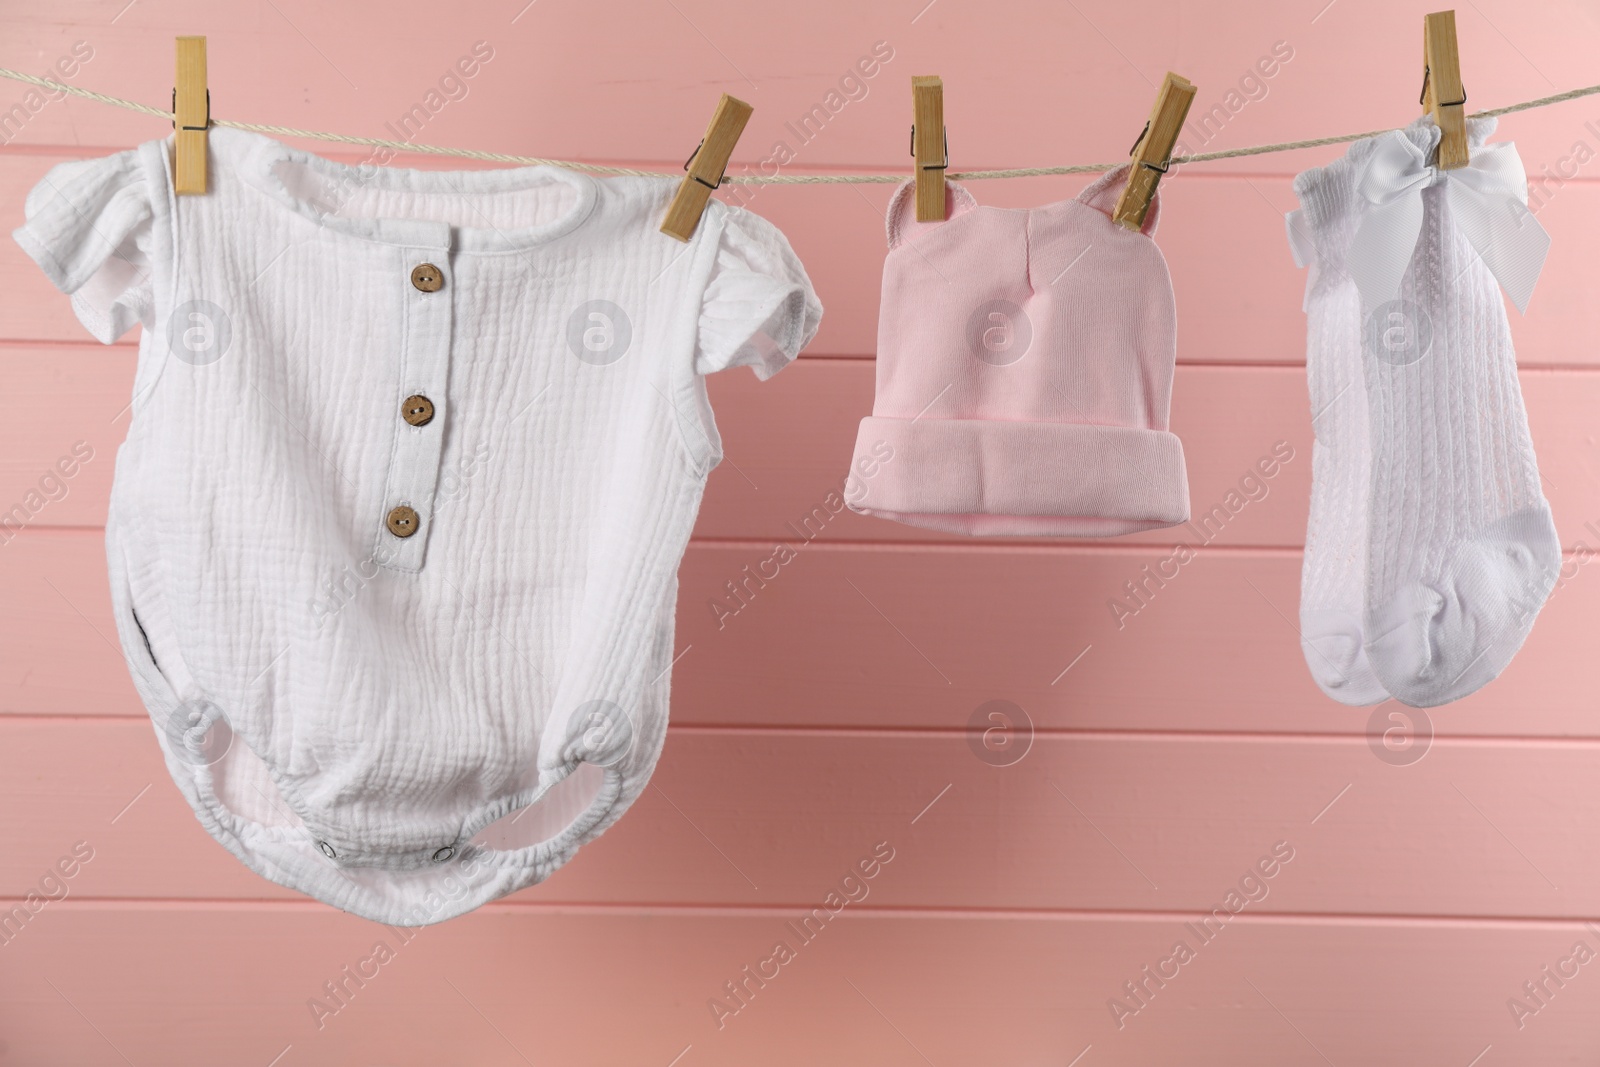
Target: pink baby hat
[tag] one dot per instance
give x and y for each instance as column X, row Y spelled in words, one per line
column 1024, row 373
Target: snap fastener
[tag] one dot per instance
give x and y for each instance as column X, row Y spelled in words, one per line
column 327, row 850
column 417, row 410
column 402, row 521
column 444, row 854
column 427, row 277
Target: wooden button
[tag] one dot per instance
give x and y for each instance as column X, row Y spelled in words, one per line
column 427, row 277
column 402, row 521
column 417, row 410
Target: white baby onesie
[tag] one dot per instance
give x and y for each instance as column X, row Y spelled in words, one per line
column 412, row 461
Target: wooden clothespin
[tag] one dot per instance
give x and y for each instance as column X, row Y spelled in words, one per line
column 191, row 113
column 705, row 168
column 1152, row 152
column 1443, row 95
column 930, row 145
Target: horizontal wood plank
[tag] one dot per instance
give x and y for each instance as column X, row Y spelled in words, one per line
column 506, row 988
column 989, row 818
column 1238, row 291
column 915, row 637
column 1075, row 87
column 789, row 443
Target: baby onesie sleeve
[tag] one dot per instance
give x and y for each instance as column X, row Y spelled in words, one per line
column 89, row 229
column 759, row 309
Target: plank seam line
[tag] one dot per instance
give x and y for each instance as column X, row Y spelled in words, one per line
column 788, row 910
column 802, row 730
column 1186, row 363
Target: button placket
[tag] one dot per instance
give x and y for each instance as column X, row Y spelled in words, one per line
column 423, row 276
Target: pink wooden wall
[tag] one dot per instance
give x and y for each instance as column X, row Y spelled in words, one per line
column 830, row 716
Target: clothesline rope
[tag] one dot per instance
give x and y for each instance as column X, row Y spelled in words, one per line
column 754, row 179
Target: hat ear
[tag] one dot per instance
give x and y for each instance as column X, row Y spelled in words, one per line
column 902, row 215
column 1102, row 193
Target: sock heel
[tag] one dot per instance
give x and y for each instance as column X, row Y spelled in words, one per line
column 1440, row 639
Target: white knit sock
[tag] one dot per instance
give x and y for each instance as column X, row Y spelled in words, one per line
column 1461, row 549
